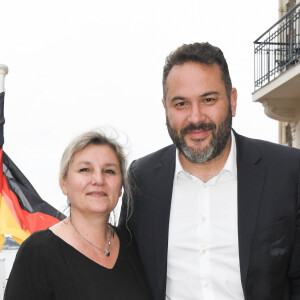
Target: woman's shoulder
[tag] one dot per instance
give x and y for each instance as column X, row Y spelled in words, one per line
column 38, row 237
column 36, row 242
column 126, row 240
column 124, row 235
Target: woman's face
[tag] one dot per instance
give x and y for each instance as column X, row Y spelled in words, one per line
column 94, row 180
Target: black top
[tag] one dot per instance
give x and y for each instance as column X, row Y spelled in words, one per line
column 46, row 267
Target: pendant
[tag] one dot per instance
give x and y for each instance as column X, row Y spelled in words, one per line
column 107, row 253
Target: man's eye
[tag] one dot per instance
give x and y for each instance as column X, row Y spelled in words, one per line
column 84, row 170
column 180, row 104
column 109, row 171
column 208, row 100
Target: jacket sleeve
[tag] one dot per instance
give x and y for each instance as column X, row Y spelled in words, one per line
column 294, row 268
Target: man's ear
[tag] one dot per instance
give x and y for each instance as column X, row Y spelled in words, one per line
column 233, row 101
column 164, row 102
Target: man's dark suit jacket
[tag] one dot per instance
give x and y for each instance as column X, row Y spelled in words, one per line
column 268, row 217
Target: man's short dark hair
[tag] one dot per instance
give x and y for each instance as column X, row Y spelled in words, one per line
column 203, row 53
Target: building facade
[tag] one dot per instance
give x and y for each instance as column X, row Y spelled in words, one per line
column 277, row 72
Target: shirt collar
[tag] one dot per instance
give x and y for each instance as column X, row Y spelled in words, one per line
column 230, row 165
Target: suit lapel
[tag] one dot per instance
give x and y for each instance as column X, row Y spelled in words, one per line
column 163, row 176
column 251, row 176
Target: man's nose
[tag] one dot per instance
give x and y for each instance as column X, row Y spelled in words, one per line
column 196, row 114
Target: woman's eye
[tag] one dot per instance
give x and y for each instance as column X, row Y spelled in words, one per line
column 84, row 170
column 109, row 171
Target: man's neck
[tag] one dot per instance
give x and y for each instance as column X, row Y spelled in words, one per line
column 207, row 170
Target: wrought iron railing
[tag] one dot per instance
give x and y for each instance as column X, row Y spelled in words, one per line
column 278, row 49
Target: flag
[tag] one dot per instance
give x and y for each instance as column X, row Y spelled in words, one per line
column 22, row 211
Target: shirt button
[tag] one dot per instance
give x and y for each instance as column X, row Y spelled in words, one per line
column 203, row 219
column 203, row 251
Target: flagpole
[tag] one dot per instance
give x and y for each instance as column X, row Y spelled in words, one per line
column 3, row 72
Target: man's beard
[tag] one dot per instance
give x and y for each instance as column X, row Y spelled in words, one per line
column 217, row 144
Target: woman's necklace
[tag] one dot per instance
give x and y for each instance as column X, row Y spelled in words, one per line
column 106, row 252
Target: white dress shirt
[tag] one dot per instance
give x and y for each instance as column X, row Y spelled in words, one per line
column 203, row 254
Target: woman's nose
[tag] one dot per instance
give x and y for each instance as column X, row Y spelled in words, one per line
column 97, row 178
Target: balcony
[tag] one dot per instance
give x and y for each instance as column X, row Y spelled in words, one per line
column 277, row 68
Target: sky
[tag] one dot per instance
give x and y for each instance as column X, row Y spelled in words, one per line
column 78, row 65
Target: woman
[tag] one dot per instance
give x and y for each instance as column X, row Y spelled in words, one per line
column 83, row 256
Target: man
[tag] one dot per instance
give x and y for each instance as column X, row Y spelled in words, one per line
column 217, row 216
